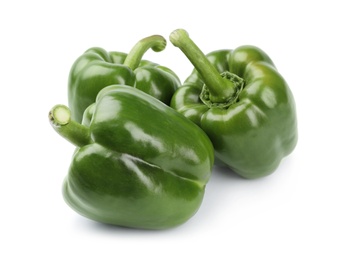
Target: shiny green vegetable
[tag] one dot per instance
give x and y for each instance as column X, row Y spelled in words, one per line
column 243, row 104
column 96, row 69
column 138, row 163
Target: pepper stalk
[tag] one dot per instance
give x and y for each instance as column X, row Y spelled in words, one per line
column 156, row 42
column 60, row 119
column 220, row 90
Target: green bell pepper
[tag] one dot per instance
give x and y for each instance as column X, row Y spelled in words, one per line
column 243, row 104
column 138, row 163
column 96, row 69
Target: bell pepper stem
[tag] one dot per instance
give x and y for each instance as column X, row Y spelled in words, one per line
column 60, row 119
column 156, row 42
column 220, row 88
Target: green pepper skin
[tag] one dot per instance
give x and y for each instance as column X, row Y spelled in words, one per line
column 259, row 128
column 97, row 68
column 145, row 165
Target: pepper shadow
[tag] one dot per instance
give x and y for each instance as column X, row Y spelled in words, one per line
column 89, row 226
column 222, row 189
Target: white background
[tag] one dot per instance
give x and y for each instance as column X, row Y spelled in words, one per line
column 292, row 214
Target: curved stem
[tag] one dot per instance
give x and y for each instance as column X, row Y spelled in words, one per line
column 155, row 42
column 60, row 119
column 220, row 89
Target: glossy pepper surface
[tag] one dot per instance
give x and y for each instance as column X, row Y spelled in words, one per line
column 138, row 163
column 243, row 104
column 97, row 68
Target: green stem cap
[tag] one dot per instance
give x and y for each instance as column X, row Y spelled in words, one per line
column 156, row 42
column 219, row 90
column 60, row 119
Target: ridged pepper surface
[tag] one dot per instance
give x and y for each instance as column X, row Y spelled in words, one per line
column 97, row 68
column 243, row 104
column 138, row 163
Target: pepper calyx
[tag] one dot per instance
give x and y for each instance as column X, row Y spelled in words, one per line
column 238, row 82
